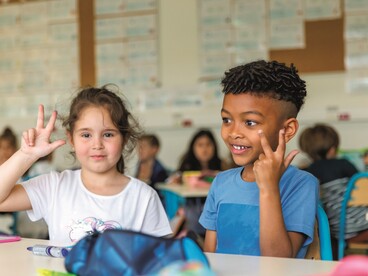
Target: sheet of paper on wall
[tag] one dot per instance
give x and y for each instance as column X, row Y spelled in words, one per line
column 213, row 66
column 214, row 13
column 216, row 40
column 357, row 81
column 120, row 6
column 322, row 9
column 63, row 56
column 249, row 13
column 142, row 52
column 33, row 59
column 211, row 91
column 185, row 97
column 356, row 53
column 30, row 13
column 142, row 76
column 144, row 25
column 353, row 6
column 32, row 36
column 114, row 74
column 286, row 24
column 13, row 82
column 242, row 57
column 110, row 54
column 8, row 110
column 356, row 26
column 9, row 16
column 62, row 10
column 154, row 99
column 63, row 33
column 110, row 28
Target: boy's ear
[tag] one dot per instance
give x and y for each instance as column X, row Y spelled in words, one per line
column 291, row 126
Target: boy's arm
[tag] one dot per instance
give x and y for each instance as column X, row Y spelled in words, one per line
column 268, row 169
column 35, row 144
column 210, row 241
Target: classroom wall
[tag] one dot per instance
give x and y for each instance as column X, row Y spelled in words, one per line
column 178, row 44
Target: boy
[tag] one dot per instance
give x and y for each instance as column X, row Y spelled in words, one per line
column 264, row 207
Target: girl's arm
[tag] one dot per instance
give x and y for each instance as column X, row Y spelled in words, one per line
column 35, row 144
column 210, row 241
column 268, row 169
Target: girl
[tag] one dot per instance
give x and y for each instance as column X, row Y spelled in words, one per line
column 201, row 155
column 99, row 195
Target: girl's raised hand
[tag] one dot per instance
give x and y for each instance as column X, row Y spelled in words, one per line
column 271, row 165
column 36, row 141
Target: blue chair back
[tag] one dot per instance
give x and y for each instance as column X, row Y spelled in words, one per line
column 324, row 234
column 344, row 205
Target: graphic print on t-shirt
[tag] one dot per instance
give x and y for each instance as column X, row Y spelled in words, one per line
column 87, row 226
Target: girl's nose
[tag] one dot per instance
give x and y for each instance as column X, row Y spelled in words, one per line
column 97, row 143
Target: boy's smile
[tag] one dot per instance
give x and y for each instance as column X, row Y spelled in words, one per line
column 243, row 116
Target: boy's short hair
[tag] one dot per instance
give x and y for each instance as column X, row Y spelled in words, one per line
column 316, row 141
column 151, row 139
column 262, row 78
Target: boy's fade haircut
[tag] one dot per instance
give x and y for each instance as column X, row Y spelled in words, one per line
column 317, row 140
column 266, row 78
column 151, row 139
column 109, row 97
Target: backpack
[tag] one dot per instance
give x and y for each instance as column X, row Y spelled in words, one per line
column 126, row 252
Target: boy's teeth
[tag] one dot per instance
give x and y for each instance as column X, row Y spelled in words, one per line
column 239, row 147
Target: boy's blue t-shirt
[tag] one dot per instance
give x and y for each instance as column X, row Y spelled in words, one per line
column 232, row 210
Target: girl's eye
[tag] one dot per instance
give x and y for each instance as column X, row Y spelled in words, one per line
column 109, row 134
column 250, row 123
column 85, row 135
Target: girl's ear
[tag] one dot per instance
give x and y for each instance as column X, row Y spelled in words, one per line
column 291, row 126
column 70, row 138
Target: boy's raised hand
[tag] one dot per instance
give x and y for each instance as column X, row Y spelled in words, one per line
column 36, row 141
column 271, row 165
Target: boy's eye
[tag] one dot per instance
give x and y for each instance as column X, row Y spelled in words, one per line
column 250, row 123
column 226, row 120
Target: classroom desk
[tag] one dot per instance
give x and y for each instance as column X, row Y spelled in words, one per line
column 16, row 260
column 175, row 195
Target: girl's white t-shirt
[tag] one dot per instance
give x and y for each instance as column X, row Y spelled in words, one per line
column 72, row 212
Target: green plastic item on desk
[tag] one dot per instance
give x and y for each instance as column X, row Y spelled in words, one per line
column 47, row 272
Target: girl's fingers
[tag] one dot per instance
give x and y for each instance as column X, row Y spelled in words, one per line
column 40, row 117
column 51, row 123
column 264, row 143
column 29, row 136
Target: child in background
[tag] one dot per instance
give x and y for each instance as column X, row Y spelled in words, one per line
column 266, row 206
column 201, row 156
column 150, row 169
column 8, row 144
column 365, row 160
column 321, row 143
column 97, row 197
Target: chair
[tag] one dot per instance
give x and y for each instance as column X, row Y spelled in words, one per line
column 356, row 195
column 321, row 248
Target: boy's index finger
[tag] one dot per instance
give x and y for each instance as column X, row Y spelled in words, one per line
column 264, row 143
column 282, row 144
column 40, row 117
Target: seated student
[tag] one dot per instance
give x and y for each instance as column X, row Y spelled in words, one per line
column 365, row 160
column 201, row 155
column 8, row 144
column 150, row 169
column 99, row 196
column 321, row 143
column 266, row 206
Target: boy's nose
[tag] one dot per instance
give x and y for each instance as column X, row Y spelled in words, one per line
column 235, row 132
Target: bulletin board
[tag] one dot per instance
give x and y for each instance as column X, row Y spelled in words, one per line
column 324, row 49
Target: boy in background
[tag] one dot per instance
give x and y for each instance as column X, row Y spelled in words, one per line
column 266, row 206
column 150, row 169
